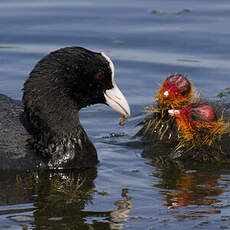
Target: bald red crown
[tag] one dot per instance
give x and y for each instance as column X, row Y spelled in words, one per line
column 205, row 112
column 177, row 85
column 200, row 113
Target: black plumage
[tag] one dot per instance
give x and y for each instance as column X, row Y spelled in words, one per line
column 60, row 85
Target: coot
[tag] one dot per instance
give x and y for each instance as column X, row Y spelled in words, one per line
column 203, row 132
column 175, row 92
column 44, row 129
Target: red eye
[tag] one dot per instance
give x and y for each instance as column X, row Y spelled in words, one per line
column 100, row 77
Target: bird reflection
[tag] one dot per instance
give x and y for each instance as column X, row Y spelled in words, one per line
column 184, row 185
column 58, row 200
column 122, row 212
column 59, row 197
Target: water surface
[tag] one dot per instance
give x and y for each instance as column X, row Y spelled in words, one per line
column 130, row 188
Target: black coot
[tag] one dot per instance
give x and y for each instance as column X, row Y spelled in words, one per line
column 44, row 130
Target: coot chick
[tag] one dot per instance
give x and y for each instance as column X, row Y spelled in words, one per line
column 203, row 133
column 46, row 131
column 175, row 92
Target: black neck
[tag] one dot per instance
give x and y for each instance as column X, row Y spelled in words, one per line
column 58, row 136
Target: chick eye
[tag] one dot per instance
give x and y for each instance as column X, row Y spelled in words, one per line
column 193, row 117
column 100, row 76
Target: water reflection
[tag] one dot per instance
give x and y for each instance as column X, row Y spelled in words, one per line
column 61, row 197
column 55, row 200
column 190, row 188
column 200, row 188
column 122, row 213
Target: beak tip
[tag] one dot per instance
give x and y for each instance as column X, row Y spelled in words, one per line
column 174, row 112
column 128, row 112
column 171, row 112
column 117, row 101
column 166, row 93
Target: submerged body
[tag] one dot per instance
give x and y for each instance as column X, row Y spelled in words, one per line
column 45, row 130
column 14, row 136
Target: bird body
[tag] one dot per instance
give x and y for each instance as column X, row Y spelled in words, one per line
column 175, row 92
column 14, row 130
column 203, row 133
column 60, row 85
column 196, row 128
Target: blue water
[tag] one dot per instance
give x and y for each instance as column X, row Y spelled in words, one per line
column 129, row 189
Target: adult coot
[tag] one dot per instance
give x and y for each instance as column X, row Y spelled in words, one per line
column 175, row 92
column 46, row 131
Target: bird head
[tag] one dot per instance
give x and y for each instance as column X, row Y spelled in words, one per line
column 175, row 92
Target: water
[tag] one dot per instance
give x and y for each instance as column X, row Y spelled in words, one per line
column 129, row 189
